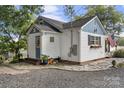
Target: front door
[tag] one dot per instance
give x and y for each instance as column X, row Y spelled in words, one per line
column 37, row 46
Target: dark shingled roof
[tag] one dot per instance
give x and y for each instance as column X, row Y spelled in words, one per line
column 55, row 23
column 62, row 25
column 78, row 23
column 59, row 26
column 44, row 27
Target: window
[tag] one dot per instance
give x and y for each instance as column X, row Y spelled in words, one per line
column 94, row 40
column 37, row 41
column 51, row 39
column 95, row 30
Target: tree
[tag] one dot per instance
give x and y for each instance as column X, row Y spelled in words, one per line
column 70, row 13
column 77, row 17
column 108, row 15
column 121, row 41
column 14, row 21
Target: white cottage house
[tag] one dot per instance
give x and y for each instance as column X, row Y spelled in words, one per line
column 85, row 42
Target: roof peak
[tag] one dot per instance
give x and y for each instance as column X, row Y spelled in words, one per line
column 62, row 25
column 83, row 17
column 51, row 19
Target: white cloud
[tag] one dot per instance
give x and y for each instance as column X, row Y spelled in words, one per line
column 56, row 17
column 50, row 9
column 52, row 12
column 122, row 34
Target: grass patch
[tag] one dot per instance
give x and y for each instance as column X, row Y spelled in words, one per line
column 2, row 59
column 119, row 53
column 120, row 65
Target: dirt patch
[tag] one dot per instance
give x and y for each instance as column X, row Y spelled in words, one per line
column 9, row 70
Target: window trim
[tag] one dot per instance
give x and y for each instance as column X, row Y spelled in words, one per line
column 94, row 41
column 52, row 39
column 37, row 41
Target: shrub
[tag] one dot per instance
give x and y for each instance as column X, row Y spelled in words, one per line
column 15, row 59
column 120, row 65
column 121, row 41
column 44, row 57
column 113, row 63
column 20, row 56
column 2, row 59
column 119, row 53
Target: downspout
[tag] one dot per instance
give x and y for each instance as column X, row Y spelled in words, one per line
column 71, row 38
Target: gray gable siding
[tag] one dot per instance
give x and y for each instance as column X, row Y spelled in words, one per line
column 92, row 26
column 34, row 30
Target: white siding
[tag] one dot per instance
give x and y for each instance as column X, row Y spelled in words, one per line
column 62, row 43
column 51, row 49
column 66, row 44
column 31, row 45
column 87, row 53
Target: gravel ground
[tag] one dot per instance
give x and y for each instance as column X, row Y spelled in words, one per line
column 53, row 78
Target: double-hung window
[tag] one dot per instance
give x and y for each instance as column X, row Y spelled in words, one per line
column 94, row 40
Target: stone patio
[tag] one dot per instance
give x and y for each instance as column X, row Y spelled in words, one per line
column 21, row 68
column 92, row 66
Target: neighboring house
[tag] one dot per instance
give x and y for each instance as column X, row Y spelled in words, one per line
column 11, row 54
column 86, row 41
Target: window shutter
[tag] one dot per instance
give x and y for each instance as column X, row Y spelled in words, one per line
column 100, row 41
column 88, row 39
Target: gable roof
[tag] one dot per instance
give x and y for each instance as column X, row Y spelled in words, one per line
column 58, row 26
column 55, row 23
column 50, row 24
column 62, row 25
column 44, row 27
column 78, row 23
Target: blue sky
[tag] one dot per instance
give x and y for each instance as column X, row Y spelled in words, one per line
column 56, row 11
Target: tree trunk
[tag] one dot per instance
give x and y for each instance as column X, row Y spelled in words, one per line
column 17, row 53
